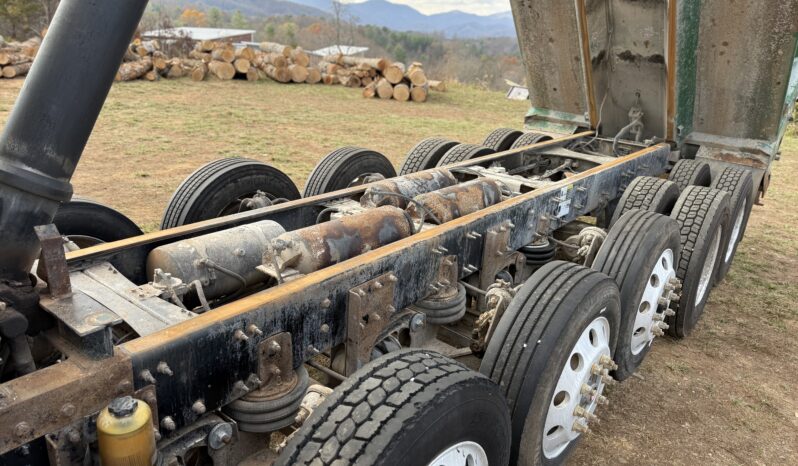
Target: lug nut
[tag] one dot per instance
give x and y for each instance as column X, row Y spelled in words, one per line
column 198, row 407
column 669, row 312
column 579, row 427
column 656, row 331
column 595, row 369
column 583, row 413
column 602, row 400
column 168, row 423
column 607, row 380
column 657, row 317
column 587, row 390
column 675, row 297
column 663, row 325
column 607, row 361
column 663, row 301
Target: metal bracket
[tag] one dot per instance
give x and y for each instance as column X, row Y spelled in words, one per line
column 497, row 255
column 369, row 310
column 276, row 363
column 448, row 275
column 53, row 265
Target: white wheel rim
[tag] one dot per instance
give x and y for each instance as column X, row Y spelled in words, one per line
column 649, row 312
column 735, row 234
column 592, row 344
column 708, row 269
column 462, row 454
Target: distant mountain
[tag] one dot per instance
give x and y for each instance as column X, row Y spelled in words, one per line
column 405, row 18
column 453, row 24
column 254, row 7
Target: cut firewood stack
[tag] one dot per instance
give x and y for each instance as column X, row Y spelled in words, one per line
column 379, row 77
column 16, row 58
column 285, row 64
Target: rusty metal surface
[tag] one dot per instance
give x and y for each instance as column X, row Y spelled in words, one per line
column 291, row 215
column 53, row 265
column 238, row 249
column 383, row 193
column 447, row 204
column 369, row 311
column 56, row 396
column 497, row 254
column 313, row 248
column 275, row 367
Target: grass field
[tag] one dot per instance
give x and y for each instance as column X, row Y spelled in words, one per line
column 726, row 395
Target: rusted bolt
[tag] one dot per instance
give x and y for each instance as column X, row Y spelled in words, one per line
column 73, row 436
column 240, row 336
column 168, row 423
column 68, row 410
column 22, row 430
column 325, row 328
column 392, row 278
column 377, row 285
column 198, row 407
column 254, row 330
column 361, row 292
column 238, row 252
column 391, row 309
column 163, row 368
column 146, row 375
column 326, row 303
column 274, row 348
column 124, row 387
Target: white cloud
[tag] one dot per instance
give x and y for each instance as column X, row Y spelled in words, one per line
column 428, row 7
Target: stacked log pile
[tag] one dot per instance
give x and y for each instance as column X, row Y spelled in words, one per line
column 285, row 64
column 379, row 77
column 16, row 57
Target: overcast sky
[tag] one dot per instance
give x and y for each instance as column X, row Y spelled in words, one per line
column 428, row 7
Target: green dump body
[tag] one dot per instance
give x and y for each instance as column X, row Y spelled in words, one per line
column 717, row 78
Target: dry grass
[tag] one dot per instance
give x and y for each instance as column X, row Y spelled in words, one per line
column 726, row 395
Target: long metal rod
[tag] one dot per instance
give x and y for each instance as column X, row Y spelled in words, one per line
column 53, row 117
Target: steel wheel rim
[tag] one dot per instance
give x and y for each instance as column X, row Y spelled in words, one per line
column 590, row 347
column 735, row 234
column 709, row 267
column 649, row 311
column 465, row 453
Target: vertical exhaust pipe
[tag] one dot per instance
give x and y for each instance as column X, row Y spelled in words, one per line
column 53, row 117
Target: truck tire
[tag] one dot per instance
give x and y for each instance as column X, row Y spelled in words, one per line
column 216, row 189
column 560, row 308
column 406, row 407
column 640, row 254
column 425, row 155
column 527, row 139
column 689, row 172
column 739, row 183
column 463, row 152
column 647, row 193
column 703, row 216
column 501, row 139
column 347, row 166
column 87, row 223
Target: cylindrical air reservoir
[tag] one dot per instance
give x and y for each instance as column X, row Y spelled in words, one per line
column 395, row 191
column 207, row 258
column 450, row 203
column 313, row 248
column 125, row 434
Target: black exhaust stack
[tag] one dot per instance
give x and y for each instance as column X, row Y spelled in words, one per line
column 53, row 117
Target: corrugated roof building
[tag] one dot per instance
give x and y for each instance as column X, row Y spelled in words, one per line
column 199, row 34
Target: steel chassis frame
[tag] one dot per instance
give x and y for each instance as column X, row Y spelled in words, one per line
column 208, row 361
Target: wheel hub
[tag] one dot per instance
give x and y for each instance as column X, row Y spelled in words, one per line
column 655, row 302
column 579, row 388
column 462, row 454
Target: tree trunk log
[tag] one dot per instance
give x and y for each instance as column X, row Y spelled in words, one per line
column 298, row 73
column 419, row 93
column 281, row 75
column 225, row 53
column 394, row 73
column 14, row 71
column 274, row 47
column 242, row 65
column 222, row 70
column 314, row 76
column 439, row 86
column 199, row 72
column 401, row 92
column 384, row 89
column 134, row 69
column 299, row 57
column 247, row 53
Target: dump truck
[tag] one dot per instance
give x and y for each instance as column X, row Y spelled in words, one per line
column 470, row 309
